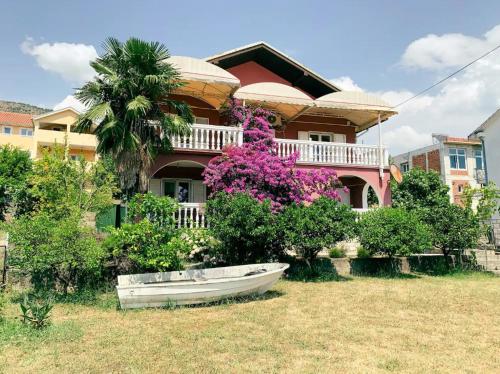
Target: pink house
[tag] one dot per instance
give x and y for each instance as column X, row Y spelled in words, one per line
column 315, row 118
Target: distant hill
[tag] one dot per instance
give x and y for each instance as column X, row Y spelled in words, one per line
column 11, row 106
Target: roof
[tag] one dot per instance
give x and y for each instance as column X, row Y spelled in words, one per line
column 277, row 62
column 16, row 119
column 48, row 114
column 455, row 140
column 491, row 119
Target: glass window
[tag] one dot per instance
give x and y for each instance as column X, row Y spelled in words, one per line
column 319, row 137
column 26, row 132
column 478, row 154
column 169, row 189
column 183, row 192
column 7, row 130
column 201, row 120
column 458, row 158
column 179, row 190
column 405, row 167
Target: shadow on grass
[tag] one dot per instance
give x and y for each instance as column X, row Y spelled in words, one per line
column 321, row 270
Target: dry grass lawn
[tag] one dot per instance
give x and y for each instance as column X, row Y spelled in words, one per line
column 369, row 325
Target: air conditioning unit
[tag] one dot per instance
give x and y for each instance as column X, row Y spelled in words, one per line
column 275, row 121
column 480, row 176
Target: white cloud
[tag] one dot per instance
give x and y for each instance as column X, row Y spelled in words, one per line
column 436, row 52
column 69, row 60
column 346, row 83
column 71, row 102
column 457, row 106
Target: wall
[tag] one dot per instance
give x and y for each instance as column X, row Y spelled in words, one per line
column 320, row 124
column 491, row 143
column 251, row 72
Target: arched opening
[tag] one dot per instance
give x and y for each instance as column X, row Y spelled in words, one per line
column 181, row 180
column 361, row 194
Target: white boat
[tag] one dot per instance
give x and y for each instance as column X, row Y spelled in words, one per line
column 196, row 286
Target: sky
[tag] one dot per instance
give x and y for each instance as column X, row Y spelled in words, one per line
column 390, row 48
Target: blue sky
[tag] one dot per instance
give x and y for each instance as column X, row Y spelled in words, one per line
column 382, row 47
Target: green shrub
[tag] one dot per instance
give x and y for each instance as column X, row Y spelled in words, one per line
column 246, row 229
column 336, row 252
column 57, row 254
column 393, row 232
column 310, row 228
column 363, row 253
column 199, row 243
column 159, row 210
column 144, row 247
column 453, row 227
column 3, row 304
column 36, row 313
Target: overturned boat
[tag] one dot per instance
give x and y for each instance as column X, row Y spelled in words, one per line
column 196, row 286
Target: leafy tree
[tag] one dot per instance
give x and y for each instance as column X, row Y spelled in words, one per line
column 419, row 189
column 56, row 253
column 310, row 228
column 453, row 227
column 248, row 231
column 61, row 187
column 15, row 166
column 393, row 232
column 126, row 99
column 257, row 169
column 485, row 202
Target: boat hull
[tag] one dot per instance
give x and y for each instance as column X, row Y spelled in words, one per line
column 196, row 286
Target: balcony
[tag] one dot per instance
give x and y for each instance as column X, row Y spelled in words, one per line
column 210, row 138
column 328, row 153
column 48, row 137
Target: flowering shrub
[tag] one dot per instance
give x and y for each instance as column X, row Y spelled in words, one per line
column 256, row 168
column 199, row 243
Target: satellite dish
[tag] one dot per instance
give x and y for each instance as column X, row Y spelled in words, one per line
column 396, row 174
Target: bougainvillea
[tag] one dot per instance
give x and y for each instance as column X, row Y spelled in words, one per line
column 256, row 168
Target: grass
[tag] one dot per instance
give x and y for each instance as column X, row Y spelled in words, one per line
column 423, row 324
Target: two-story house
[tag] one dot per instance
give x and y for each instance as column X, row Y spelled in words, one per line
column 33, row 133
column 459, row 161
column 315, row 118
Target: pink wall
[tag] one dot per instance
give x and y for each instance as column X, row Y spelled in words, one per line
column 251, row 72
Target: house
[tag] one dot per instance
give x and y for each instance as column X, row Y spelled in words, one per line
column 315, row 118
column 458, row 161
column 34, row 133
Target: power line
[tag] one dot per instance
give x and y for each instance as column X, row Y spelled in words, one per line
column 448, row 77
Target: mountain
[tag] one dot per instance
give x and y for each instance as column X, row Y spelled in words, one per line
column 11, row 106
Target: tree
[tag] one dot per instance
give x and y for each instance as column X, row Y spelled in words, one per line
column 419, row 189
column 126, row 99
column 310, row 228
column 257, row 169
column 453, row 227
column 15, row 166
column 393, row 232
column 485, row 202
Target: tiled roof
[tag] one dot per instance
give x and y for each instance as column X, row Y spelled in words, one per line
column 16, row 119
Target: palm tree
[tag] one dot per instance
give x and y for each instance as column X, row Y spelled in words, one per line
column 132, row 86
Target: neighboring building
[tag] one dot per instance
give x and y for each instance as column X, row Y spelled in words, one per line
column 316, row 118
column 459, row 161
column 35, row 133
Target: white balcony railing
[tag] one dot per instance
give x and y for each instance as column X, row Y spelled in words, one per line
column 332, row 153
column 208, row 138
column 191, row 215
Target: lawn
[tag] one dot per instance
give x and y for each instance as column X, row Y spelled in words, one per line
column 422, row 324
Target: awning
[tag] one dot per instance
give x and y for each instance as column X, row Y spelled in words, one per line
column 358, row 107
column 204, row 80
column 285, row 100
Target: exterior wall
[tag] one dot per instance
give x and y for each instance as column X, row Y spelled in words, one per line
column 199, row 108
column 491, row 145
column 23, row 142
column 251, row 72
column 434, row 160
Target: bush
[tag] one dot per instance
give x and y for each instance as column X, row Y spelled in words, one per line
column 58, row 254
column 308, row 229
column 393, row 232
column 336, row 252
column 36, row 313
column 363, row 252
column 199, row 243
column 158, row 210
column 453, row 227
column 246, row 228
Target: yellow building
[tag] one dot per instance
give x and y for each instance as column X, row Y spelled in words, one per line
column 43, row 131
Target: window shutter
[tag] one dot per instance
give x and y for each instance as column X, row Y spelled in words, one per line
column 339, row 138
column 303, row 135
column 155, row 186
column 199, row 194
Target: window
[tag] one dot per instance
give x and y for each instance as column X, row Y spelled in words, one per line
column 26, row 132
column 201, row 120
column 458, row 158
column 320, row 137
column 7, row 130
column 405, row 167
column 179, row 190
column 478, row 155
